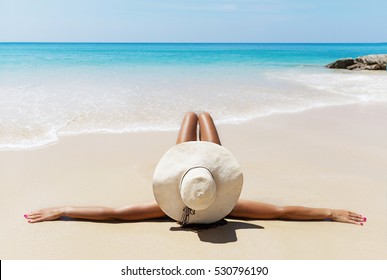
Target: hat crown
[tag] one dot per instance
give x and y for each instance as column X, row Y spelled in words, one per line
column 198, row 188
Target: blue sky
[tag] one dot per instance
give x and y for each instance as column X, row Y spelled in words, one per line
column 193, row 20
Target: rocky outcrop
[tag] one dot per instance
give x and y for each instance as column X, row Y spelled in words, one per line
column 368, row 62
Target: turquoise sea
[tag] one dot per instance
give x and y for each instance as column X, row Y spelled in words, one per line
column 52, row 89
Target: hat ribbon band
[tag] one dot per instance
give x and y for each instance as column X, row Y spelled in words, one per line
column 184, row 220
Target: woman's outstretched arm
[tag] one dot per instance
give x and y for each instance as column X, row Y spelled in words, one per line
column 244, row 209
column 98, row 213
column 258, row 210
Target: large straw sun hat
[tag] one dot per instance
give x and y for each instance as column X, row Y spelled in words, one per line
column 200, row 178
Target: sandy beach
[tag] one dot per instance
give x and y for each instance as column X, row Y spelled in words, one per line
column 334, row 157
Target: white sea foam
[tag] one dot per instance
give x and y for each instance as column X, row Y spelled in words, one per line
column 37, row 108
column 342, row 85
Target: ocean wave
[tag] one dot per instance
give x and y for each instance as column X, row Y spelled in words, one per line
column 39, row 110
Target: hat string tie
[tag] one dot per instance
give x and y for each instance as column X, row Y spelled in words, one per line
column 185, row 217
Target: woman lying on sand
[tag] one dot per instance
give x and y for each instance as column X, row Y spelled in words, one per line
column 242, row 209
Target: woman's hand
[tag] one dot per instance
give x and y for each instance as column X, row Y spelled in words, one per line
column 344, row 216
column 46, row 214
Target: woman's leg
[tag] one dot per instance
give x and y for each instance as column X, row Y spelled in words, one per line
column 188, row 128
column 208, row 130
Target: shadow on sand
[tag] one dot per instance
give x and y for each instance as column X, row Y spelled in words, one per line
column 221, row 232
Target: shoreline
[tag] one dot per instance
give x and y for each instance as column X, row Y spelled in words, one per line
column 326, row 157
column 63, row 135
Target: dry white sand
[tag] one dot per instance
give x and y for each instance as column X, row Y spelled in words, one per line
column 331, row 157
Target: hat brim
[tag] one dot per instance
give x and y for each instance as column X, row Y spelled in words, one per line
column 177, row 160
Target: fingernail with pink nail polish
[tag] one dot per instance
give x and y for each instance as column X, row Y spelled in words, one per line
column 25, row 216
column 29, row 221
column 361, row 224
column 365, row 219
